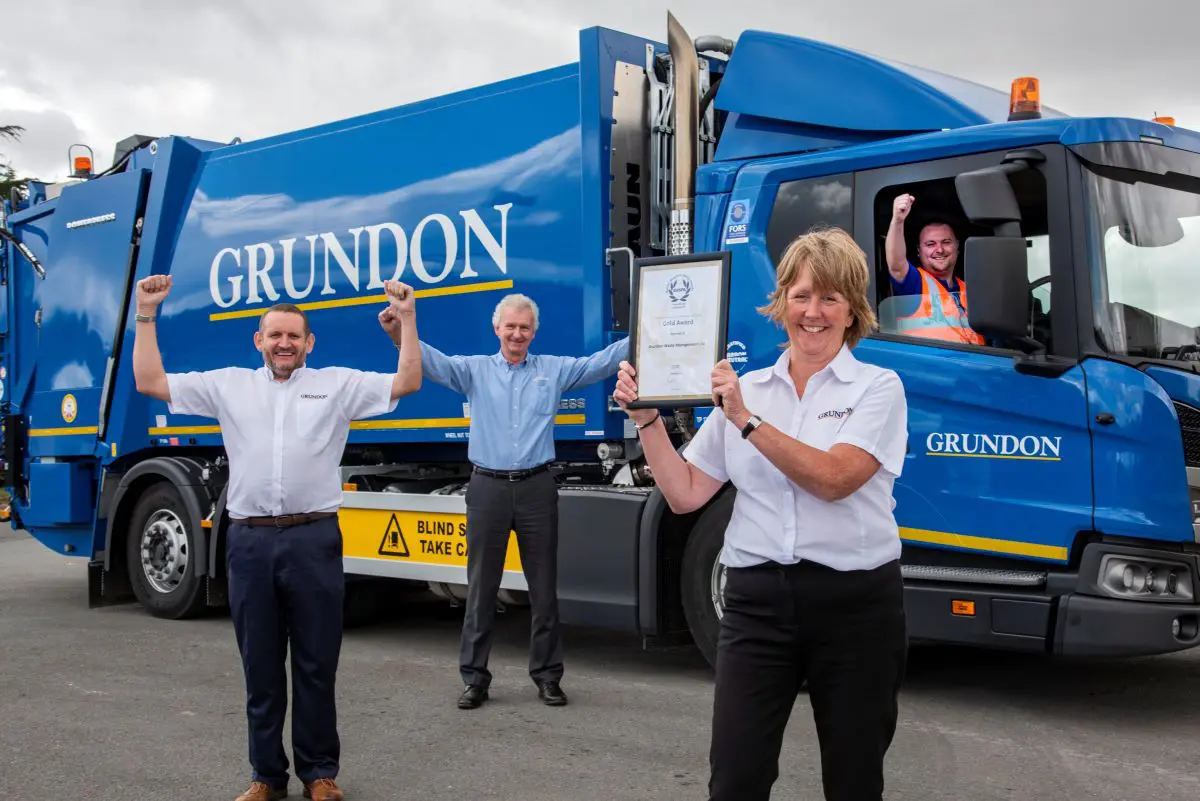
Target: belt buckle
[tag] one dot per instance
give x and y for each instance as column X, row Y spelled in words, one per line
column 514, row 476
column 283, row 521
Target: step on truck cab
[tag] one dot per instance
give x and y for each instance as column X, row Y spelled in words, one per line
column 1050, row 498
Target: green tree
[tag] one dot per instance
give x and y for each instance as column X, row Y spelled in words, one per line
column 8, row 177
column 12, row 132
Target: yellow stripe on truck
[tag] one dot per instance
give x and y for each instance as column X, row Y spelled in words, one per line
column 441, row 291
column 63, row 432
column 966, row 542
column 452, row 422
column 360, row 425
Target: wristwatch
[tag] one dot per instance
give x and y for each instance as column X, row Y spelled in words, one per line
column 754, row 422
column 143, row 318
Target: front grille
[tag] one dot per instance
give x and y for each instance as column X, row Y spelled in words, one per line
column 1189, row 422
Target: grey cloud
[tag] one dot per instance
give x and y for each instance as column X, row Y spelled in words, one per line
column 217, row 70
column 41, row 151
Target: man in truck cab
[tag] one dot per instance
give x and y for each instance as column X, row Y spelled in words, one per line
column 514, row 396
column 939, row 298
column 284, row 426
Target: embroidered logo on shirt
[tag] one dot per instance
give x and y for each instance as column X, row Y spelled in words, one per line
column 838, row 413
column 314, row 397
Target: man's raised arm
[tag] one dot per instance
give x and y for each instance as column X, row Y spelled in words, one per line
column 399, row 319
column 148, row 373
column 584, row 370
column 897, row 253
column 420, row 360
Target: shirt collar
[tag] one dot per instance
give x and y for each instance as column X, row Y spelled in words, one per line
column 499, row 359
column 844, row 366
column 266, row 373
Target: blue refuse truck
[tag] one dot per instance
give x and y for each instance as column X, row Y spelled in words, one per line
column 1050, row 498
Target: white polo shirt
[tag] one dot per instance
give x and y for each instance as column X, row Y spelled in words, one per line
column 776, row 520
column 284, row 438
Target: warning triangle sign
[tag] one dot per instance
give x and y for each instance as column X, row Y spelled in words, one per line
column 393, row 543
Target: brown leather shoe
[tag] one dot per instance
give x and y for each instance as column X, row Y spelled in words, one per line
column 323, row 790
column 262, row 792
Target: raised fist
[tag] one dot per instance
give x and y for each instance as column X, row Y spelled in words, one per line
column 152, row 291
column 400, row 297
column 389, row 319
column 901, row 207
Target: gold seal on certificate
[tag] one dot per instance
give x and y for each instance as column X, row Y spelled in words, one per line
column 680, row 320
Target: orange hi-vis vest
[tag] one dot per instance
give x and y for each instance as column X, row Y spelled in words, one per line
column 938, row 315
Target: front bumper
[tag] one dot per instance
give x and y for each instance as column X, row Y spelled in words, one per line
column 1078, row 613
column 1091, row 626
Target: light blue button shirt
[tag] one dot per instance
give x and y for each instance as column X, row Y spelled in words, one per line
column 513, row 405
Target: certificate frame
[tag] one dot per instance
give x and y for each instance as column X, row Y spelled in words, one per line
column 717, row 329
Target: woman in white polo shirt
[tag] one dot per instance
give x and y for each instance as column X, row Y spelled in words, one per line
column 813, row 590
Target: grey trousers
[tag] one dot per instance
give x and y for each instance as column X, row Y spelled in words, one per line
column 530, row 508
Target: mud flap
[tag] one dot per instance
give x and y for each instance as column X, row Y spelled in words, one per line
column 107, row 587
column 216, row 591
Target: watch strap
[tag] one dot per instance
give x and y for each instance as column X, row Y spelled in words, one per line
column 754, row 422
column 144, row 318
column 648, row 423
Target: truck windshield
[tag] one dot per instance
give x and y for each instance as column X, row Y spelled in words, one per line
column 1144, row 230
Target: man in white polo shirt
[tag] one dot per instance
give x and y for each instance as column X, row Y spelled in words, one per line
column 284, row 426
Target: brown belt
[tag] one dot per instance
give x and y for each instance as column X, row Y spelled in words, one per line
column 284, row 521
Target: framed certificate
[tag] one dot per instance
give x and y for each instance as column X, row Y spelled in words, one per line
column 680, row 318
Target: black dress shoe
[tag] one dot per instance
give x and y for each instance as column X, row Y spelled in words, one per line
column 472, row 697
column 551, row 694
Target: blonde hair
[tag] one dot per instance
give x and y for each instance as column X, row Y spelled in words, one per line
column 838, row 265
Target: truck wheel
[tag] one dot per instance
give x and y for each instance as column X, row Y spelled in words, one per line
column 703, row 580
column 160, row 548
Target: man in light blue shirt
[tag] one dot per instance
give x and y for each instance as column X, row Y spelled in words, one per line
column 514, row 396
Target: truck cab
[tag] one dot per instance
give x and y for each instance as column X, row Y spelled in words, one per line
column 1050, row 498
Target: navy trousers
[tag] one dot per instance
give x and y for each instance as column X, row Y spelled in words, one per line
column 286, row 587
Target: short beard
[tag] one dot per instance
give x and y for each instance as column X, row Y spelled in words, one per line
column 282, row 372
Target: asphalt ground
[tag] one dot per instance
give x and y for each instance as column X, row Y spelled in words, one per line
column 114, row 704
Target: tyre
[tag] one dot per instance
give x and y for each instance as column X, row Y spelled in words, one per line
column 160, row 548
column 703, row 579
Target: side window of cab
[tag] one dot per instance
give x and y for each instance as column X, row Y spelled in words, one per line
column 808, row 203
column 921, row 283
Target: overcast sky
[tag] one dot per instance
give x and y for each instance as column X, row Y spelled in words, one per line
column 92, row 72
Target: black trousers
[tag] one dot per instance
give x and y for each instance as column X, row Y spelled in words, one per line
column 286, row 586
column 529, row 507
column 843, row 632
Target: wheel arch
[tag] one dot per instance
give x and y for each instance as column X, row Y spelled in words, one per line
column 187, row 475
column 662, row 540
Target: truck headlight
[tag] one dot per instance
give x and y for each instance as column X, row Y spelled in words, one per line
column 1135, row 577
